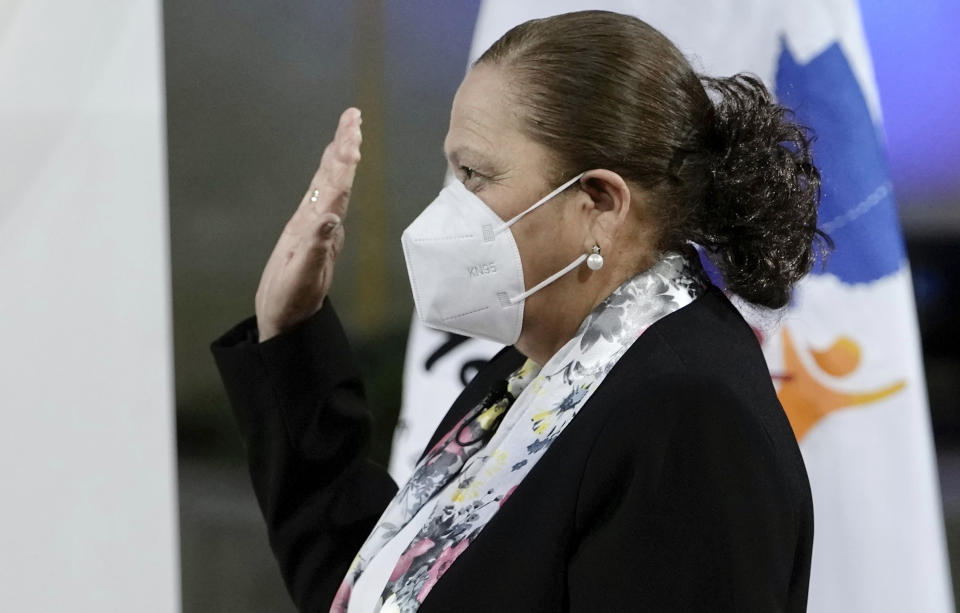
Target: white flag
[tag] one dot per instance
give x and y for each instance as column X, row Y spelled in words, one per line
column 846, row 357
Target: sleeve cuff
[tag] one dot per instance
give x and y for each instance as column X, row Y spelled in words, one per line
column 291, row 372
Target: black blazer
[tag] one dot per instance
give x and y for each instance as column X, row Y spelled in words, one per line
column 679, row 486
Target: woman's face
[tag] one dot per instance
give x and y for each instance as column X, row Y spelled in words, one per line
column 488, row 151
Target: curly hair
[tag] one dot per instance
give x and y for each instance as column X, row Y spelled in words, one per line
column 724, row 166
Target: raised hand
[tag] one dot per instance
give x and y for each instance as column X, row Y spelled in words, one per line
column 299, row 272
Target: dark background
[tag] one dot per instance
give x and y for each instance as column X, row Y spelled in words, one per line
column 254, row 90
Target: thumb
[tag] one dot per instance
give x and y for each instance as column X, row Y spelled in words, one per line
column 329, row 223
column 321, row 241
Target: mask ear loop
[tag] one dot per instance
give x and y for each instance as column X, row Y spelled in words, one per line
column 536, row 204
column 548, row 280
column 558, row 274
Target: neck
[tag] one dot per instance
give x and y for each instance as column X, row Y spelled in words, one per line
column 553, row 315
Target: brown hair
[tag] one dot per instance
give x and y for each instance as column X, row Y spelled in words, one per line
column 732, row 174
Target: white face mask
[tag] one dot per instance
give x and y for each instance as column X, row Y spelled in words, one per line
column 465, row 268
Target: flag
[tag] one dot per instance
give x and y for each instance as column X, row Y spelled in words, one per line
column 845, row 357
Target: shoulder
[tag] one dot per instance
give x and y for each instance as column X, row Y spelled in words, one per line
column 686, row 366
column 699, row 371
column 690, row 411
column 677, row 410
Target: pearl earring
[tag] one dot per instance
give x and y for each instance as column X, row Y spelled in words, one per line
column 595, row 260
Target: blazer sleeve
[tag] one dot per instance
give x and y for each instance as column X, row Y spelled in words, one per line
column 699, row 518
column 299, row 402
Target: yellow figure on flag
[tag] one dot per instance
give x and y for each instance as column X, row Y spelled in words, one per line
column 806, row 400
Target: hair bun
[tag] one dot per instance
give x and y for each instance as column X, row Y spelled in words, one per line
column 759, row 217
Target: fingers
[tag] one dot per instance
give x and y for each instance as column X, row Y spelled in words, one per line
column 330, row 188
column 325, row 243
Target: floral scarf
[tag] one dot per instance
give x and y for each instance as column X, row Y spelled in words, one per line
column 546, row 400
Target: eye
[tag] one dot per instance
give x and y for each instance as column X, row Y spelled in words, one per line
column 469, row 173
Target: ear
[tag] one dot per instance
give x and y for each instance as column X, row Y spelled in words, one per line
column 607, row 208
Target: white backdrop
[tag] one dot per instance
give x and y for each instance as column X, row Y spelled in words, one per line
column 88, row 514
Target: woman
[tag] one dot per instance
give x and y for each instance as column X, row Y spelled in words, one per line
column 590, row 159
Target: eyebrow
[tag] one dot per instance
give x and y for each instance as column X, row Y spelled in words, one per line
column 454, row 155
